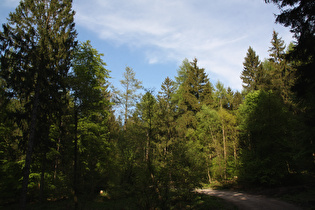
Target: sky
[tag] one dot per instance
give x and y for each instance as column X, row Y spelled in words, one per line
column 153, row 37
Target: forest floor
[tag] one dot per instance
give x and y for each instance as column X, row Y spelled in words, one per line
column 247, row 201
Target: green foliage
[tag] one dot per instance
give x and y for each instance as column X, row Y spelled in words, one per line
column 189, row 134
column 89, row 78
column 193, row 93
column 91, row 109
column 36, row 50
column 128, row 97
column 264, row 139
column 299, row 16
column 252, row 72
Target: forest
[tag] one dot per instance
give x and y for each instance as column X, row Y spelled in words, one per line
column 67, row 133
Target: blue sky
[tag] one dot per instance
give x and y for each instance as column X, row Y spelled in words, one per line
column 154, row 36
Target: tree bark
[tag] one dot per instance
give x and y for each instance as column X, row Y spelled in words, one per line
column 42, row 180
column 29, row 152
column 224, row 150
column 75, row 171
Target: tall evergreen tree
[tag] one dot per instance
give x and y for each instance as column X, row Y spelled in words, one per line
column 278, row 63
column 252, row 73
column 299, row 15
column 166, row 116
column 36, row 48
column 194, row 92
column 277, row 49
column 166, row 113
column 146, row 110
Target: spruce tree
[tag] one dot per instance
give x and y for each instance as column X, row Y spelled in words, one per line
column 300, row 17
column 193, row 93
column 277, row 48
column 166, row 115
column 36, row 48
column 252, row 73
column 278, row 63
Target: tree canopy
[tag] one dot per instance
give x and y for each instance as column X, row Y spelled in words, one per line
column 67, row 134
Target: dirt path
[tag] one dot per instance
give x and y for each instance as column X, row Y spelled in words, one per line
column 246, row 201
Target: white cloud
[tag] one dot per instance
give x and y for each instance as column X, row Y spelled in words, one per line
column 217, row 33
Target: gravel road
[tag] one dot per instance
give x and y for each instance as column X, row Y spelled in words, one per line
column 247, row 202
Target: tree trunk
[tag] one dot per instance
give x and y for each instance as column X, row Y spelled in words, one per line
column 42, row 179
column 75, row 171
column 224, row 150
column 28, row 158
column 208, row 170
column 58, row 149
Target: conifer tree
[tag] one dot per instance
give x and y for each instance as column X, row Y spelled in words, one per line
column 166, row 113
column 36, row 49
column 146, row 110
column 252, row 73
column 299, row 16
column 166, row 116
column 278, row 63
column 194, row 92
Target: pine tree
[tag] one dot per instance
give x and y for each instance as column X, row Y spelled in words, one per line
column 166, row 113
column 166, row 116
column 299, row 16
column 193, row 93
column 278, row 63
column 36, row 47
column 252, row 73
column 277, row 49
column 146, row 110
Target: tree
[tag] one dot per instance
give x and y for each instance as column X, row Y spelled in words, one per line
column 277, row 49
column 145, row 112
column 188, row 160
column 300, row 17
column 265, row 139
column 278, row 63
column 36, row 48
column 193, row 93
column 182, row 72
column 209, row 134
column 91, row 105
column 166, row 115
column 146, row 109
column 252, row 73
column 128, row 97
